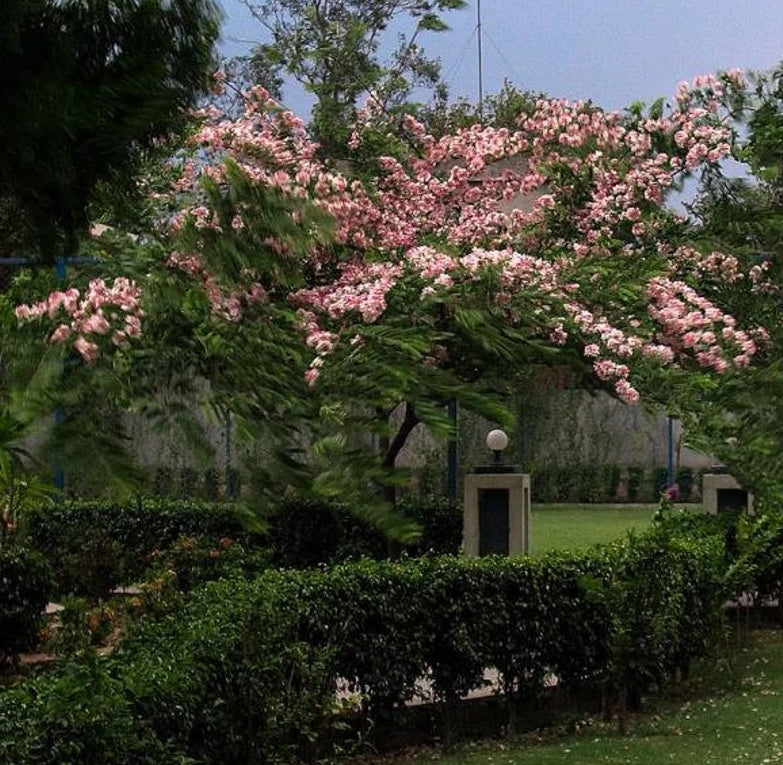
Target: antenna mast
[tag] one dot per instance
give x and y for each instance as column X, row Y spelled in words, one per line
column 480, row 62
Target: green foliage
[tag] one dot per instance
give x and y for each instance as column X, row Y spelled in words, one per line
column 94, row 546
column 307, row 532
column 635, row 476
column 245, row 672
column 333, row 51
column 25, row 580
column 81, row 715
column 502, row 109
column 740, row 420
column 88, row 88
column 193, row 561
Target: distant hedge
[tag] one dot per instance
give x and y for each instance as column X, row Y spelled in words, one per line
column 93, row 546
column 303, row 533
column 246, row 672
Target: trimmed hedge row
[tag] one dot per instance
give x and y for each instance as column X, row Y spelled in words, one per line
column 308, row 533
column 246, row 672
column 93, row 546
column 25, row 585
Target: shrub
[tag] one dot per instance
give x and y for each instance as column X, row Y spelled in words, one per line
column 80, row 715
column 590, row 484
column 93, row 546
column 246, row 671
column 192, row 561
column 25, row 583
column 660, row 481
column 635, row 479
column 611, row 481
column 685, row 480
column 304, row 533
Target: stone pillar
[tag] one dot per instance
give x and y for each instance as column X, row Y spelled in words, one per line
column 721, row 492
column 496, row 514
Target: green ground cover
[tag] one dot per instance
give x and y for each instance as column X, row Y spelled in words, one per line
column 577, row 527
column 729, row 712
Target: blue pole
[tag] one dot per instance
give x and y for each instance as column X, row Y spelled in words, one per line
column 229, row 473
column 59, row 415
column 452, row 457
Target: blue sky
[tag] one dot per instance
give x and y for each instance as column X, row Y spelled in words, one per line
column 611, row 51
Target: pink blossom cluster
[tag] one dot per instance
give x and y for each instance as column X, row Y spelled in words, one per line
column 226, row 303
column 459, row 190
column 361, row 289
column 690, row 323
column 103, row 311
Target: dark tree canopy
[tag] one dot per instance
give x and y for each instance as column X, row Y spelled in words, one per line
column 87, row 86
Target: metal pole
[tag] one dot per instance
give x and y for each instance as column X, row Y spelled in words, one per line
column 452, row 457
column 229, row 473
column 480, row 62
column 671, row 453
column 61, row 268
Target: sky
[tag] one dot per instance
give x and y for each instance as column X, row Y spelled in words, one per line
column 613, row 52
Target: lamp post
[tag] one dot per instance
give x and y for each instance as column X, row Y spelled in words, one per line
column 497, row 505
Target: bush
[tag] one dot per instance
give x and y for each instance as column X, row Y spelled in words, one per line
column 660, row 481
column 94, row 546
column 635, row 479
column 193, row 561
column 590, row 484
column 246, row 671
column 81, row 715
column 685, row 479
column 25, row 581
column 304, row 533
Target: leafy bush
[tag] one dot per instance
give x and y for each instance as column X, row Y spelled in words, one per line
column 611, row 481
column 246, row 671
column 685, row 480
column 80, row 715
column 635, row 479
column 93, row 546
column 25, row 582
column 304, row 533
column 590, row 487
column 660, row 481
column 192, row 561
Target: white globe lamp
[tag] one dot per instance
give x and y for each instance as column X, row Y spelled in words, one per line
column 496, row 442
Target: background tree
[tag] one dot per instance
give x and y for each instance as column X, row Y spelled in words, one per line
column 741, row 420
column 88, row 87
column 333, row 49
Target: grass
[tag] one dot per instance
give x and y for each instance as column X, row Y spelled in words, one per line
column 727, row 713
column 577, row 527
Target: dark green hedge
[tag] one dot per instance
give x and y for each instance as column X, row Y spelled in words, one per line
column 303, row 533
column 93, row 546
column 246, row 672
column 25, row 584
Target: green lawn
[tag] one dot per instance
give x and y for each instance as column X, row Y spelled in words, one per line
column 723, row 715
column 577, row 527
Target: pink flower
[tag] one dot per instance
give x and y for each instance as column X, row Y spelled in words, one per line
column 61, row 334
column 88, row 350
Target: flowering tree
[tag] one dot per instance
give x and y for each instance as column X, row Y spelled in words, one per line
column 740, row 421
column 444, row 264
